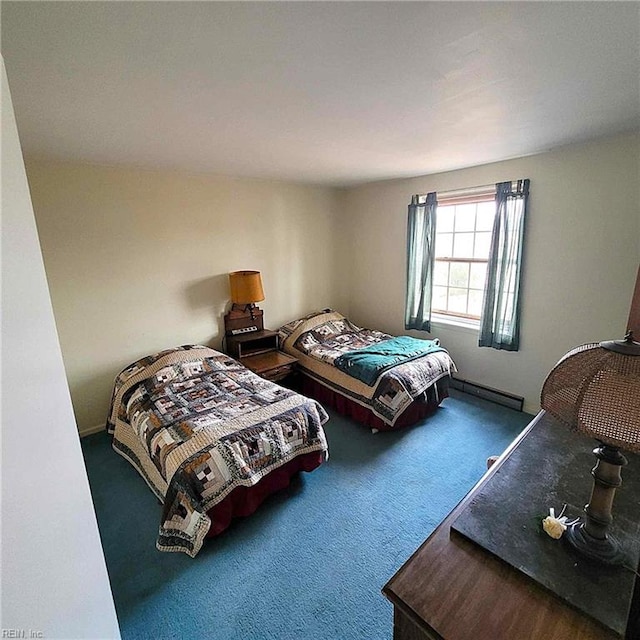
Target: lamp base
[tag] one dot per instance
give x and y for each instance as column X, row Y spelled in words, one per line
column 606, row 550
column 239, row 317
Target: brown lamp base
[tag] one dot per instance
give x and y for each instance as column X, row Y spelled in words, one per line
column 606, row 550
column 242, row 317
column 590, row 537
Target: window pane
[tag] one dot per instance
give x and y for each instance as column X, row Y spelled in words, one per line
column 444, row 242
column 465, row 217
column 475, row 303
column 444, row 218
column 439, row 298
column 478, row 275
column 459, row 274
column 483, row 245
column 486, row 213
column 458, row 300
column 441, row 273
column 463, row 245
column 463, row 234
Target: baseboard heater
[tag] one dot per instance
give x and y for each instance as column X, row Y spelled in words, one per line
column 487, row 393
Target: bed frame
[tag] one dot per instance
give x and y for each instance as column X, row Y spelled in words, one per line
column 346, row 406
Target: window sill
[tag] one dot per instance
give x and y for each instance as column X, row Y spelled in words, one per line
column 446, row 322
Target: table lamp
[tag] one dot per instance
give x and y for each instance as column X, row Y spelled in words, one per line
column 246, row 289
column 595, row 389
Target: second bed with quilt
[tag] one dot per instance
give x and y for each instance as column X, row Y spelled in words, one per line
column 383, row 381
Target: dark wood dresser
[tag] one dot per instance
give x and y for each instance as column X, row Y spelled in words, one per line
column 453, row 588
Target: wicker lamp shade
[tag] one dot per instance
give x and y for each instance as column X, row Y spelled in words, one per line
column 595, row 389
column 246, row 287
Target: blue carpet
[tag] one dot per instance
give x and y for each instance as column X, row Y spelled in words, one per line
column 311, row 561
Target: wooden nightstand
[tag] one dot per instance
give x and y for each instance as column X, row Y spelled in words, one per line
column 272, row 365
column 259, row 352
column 248, row 344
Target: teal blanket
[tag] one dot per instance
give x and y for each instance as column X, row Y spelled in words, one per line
column 368, row 363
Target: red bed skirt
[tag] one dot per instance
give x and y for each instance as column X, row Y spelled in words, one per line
column 243, row 501
column 415, row 412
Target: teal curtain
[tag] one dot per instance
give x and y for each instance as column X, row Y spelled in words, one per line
column 500, row 321
column 421, row 236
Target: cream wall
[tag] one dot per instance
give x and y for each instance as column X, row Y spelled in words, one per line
column 581, row 257
column 137, row 261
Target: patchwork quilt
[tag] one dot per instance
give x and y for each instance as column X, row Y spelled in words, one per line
column 196, row 424
column 322, row 339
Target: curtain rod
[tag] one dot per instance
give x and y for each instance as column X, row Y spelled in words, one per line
column 457, row 193
column 463, row 194
column 480, row 190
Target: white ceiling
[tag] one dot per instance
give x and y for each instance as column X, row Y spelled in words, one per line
column 324, row 92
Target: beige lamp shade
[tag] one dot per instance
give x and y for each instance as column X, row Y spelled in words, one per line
column 595, row 389
column 246, row 287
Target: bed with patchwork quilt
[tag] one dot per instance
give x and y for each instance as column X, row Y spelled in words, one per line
column 210, row 438
column 383, row 381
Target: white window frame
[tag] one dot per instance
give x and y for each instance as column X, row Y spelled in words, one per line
column 473, row 195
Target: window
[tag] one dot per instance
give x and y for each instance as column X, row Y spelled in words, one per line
column 464, row 260
column 464, row 225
